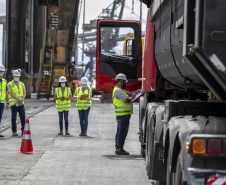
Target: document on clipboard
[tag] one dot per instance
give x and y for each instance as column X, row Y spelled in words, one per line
column 138, row 95
column 84, row 97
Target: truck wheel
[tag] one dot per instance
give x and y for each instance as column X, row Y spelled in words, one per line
column 142, row 150
column 147, row 159
column 143, row 146
column 160, row 183
column 169, row 175
column 141, row 109
column 179, row 180
column 149, row 147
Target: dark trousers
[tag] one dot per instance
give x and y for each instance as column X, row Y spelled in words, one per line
column 1, row 110
column 21, row 111
column 65, row 115
column 83, row 117
column 122, row 130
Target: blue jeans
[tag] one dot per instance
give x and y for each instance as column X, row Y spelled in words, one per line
column 1, row 110
column 83, row 116
column 21, row 111
column 65, row 115
column 122, row 130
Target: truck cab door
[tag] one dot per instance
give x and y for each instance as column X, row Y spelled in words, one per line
column 118, row 51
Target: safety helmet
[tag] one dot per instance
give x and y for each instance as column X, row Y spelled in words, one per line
column 2, row 68
column 121, row 76
column 62, row 79
column 16, row 72
column 84, row 80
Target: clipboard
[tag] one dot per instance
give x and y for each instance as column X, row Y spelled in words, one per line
column 138, row 95
column 84, row 97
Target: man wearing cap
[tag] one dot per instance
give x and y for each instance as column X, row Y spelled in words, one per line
column 122, row 101
column 17, row 94
column 83, row 105
column 3, row 93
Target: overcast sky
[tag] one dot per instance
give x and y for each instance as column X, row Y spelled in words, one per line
column 94, row 8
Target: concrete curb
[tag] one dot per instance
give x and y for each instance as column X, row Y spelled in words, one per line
column 32, row 114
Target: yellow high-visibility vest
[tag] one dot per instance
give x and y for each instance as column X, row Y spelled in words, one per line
column 3, row 90
column 18, row 92
column 121, row 108
column 83, row 104
column 63, row 105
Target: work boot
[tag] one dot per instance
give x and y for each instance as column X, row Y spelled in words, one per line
column 85, row 133
column 61, row 132
column 67, row 133
column 82, row 133
column 15, row 134
column 1, row 135
column 121, row 152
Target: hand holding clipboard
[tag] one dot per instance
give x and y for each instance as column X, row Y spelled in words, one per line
column 138, row 95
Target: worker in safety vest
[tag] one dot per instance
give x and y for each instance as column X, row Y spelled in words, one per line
column 83, row 95
column 17, row 94
column 3, row 93
column 122, row 101
column 63, row 98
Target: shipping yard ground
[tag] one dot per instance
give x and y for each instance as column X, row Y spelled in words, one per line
column 70, row 159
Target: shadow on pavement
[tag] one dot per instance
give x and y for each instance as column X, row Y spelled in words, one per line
column 77, row 136
column 86, row 137
column 65, row 135
column 124, row 157
column 4, row 138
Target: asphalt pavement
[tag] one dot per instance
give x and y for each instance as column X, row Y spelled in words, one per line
column 71, row 159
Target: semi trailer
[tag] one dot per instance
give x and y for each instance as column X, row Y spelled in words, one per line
column 182, row 114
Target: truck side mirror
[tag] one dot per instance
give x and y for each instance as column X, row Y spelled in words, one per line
column 130, row 47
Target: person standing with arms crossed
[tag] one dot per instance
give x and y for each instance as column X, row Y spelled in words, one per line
column 17, row 94
column 63, row 98
column 3, row 93
column 83, row 105
column 122, row 101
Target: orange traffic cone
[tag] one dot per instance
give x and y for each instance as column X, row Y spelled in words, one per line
column 26, row 144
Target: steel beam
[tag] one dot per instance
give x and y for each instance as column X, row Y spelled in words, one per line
column 15, row 47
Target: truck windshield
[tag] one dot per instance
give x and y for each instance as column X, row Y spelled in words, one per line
column 117, row 40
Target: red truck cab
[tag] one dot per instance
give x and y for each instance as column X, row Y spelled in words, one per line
column 148, row 62
column 110, row 59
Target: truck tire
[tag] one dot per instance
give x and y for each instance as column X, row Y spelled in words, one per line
column 179, row 180
column 141, row 109
column 142, row 146
column 147, row 159
column 141, row 120
column 169, row 175
column 142, row 150
column 160, row 183
column 149, row 147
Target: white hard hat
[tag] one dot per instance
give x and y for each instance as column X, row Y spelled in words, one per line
column 2, row 68
column 16, row 72
column 121, row 76
column 84, row 80
column 62, row 79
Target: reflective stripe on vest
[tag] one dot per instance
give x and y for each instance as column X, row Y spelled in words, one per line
column 3, row 90
column 63, row 105
column 19, row 93
column 121, row 108
column 83, row 104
